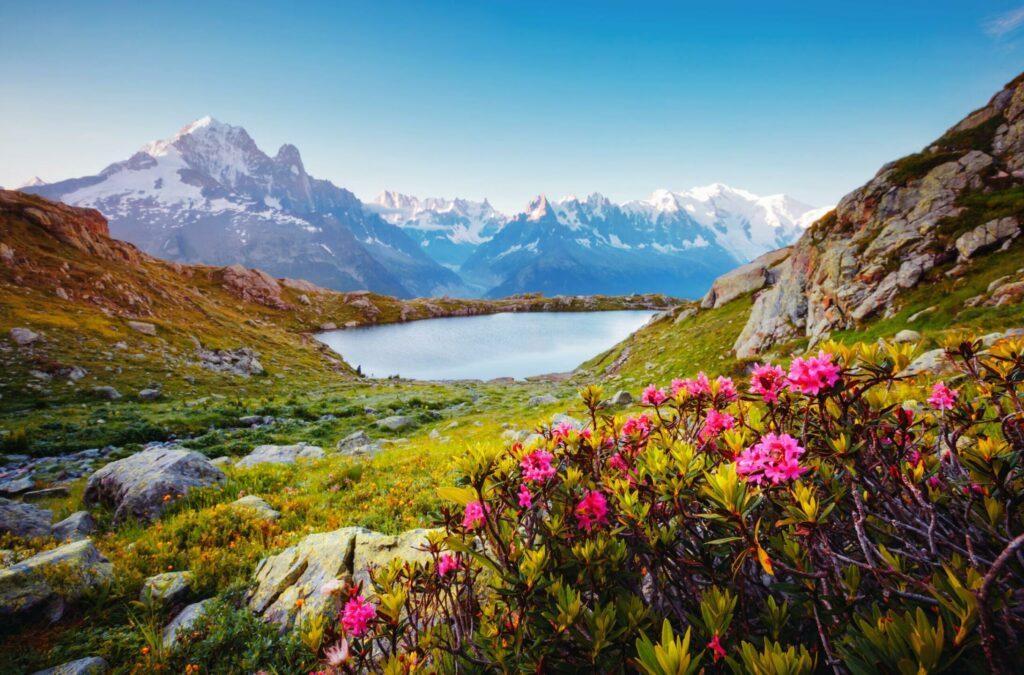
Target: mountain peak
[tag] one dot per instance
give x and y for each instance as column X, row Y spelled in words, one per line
column 538, row 208
column 289, row 154
column 34, row 181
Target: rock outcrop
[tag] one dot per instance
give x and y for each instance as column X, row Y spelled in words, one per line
column 78, row 525
column 281, row 454
column 24, row 520
column 748, row 278
column 90, row 665
column 141, row 486
column 297, row 573
column 947, row 202
column 253, row 285
column 44, row 584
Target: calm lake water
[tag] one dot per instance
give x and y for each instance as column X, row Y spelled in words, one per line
column 483, row 347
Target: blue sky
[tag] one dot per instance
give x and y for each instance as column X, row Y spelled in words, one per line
column 509, row 99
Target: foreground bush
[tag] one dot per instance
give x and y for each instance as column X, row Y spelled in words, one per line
column 829, row 517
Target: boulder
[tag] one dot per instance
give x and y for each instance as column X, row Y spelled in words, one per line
column 684, row 315
column 396, row 422
column 571, row 421
column 16, row 486
column 149, row 394
column 281, row 454
column 933, row 362
column 1007, row 294
column 748, row 278
column 185, row 619
column 358, row 444
column 45, row 493
column 29, row 587
column 242, row 361
column 253, row 285
column 24, row 336
column 987, row 236
column 140, row 486
column 543, row 399
column 78, row 525
column 222, row 462
column 90, row 665
column 108, row 393
column 621, row 397
column 142, row 327
column 907, row 336
column 514, row 435
column 257, row 506
column 169, row 588
column 24, row 520
column 298, row 573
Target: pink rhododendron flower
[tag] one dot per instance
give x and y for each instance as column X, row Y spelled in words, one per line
column 767, row 381
column 537, row 467
column 640, row 425
column 616, row 463
column 474, row 516
column 716, row 648
column 942, row 398
column 725, row 388
column 812, row 375
column 592, row 511
column 448, row 562
column 776, row 458
column 653, row 396
column 357, row 615
column 525, row 499
column 562, row 430
column 715, row 423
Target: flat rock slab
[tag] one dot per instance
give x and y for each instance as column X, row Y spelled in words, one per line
column 24, row 520
column 358, row 444
column 78, row 525
column 298, row 573
column 168, row 588
column 281, row 454
column 90, row 665
column 136, row 486
column 183, row 621
column 396, row 422
column 25, row 590
column 256, row 506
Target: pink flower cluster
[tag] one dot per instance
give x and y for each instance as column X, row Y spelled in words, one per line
column 525, row 498
column 639, row 425
column 812, row 375
column 775, row 458
column 357, row 616
column 767, row 381
column 475, row 514
column 562, row 430
column 653, row 396
column 715, row 423
column 448, row 562
column 942, row 398
column 537, row 467
column 702, row 386
column 592, row 510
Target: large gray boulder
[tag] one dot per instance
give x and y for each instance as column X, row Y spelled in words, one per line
column 748, row 278
column 90, row 665
column 986, row 236
column 281, row 454
column 358, row 444
column 184, row 621
column 541, row 399
column 136, row 487
column 298, row 573
column 256, row 506
column 396, row 422
column 24, row 336
column 24, row 520
column 168, row 588
column 78, row 525
column 44, row 584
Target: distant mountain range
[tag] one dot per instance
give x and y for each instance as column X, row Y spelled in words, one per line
column 210, row 195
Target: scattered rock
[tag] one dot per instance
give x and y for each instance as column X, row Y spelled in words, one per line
column 396, row 422
column 1007, row 294
column 685, row 314
column 298, row 573
column 45, row 493
column 996, row 283
column 24, row 588
column 330, row 325
column 543, row 399
column 149, row 394
column 24, row 336
column 562, row 417
column 281, row 454
column 514, row 435
column 108, row 393
column 90, row 665
column 78, row 525
column 621, row 397
column 934, row 362
column 358, row 444
column 256, row 505
column 184, row 621
column 222, row 462
column 987, row 236
column 242, row 361
column 907, row 336
column 169, row 588
column 253, row 286
column 16, row 486
column 24, row 520
column 76, row 373
column 142, row 327
column 140, row 486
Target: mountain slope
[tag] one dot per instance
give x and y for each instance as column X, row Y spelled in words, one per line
column 210, row 195
column 673, row 242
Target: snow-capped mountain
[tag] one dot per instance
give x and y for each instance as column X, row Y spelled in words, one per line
column 34, row 181
column 673, row 242
column 209, row 194
column 449, row 230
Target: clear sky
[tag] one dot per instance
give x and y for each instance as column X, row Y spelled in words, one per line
column 509, row 99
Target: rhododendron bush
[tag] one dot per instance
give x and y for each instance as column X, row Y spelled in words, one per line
column 827, row 516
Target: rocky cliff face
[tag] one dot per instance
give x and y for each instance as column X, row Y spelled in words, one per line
column 927, row 214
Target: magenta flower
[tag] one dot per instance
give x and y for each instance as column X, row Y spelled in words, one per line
column 357, row 616
column 448, row 562
column 942, row 398
column 653, row 396
column 592, row 511
column 767, row 381
column 639, row 425
column 775, row 458
column 562, row 430
column 715, row 423
column 812, row 375
column 716, row 648
column 475, row 514
column 525, row 499
column 537, row 467
column 616, row 463
column 725, row 388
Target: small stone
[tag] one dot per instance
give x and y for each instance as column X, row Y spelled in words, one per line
column 281, row 454
column 621, row 397
column 256, row 505
column 45, row 493
column 183, row 621
column 24, row 520
column 149, row 394
column 330, row 325
column 543, row 399
column 142, row 327
column 168, row 588
column 996, row 283
column 90, row 665
column 107, row 392
column 396, row 422
column 78, row 525
column 222, row 462
column 907, row 336
column 562, row 417
column 17, row 486
column 358, row 444
column 24, row 336
column 917, row 315
column 61, row 293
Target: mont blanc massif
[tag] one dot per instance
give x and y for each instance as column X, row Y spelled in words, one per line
column 211, row 195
